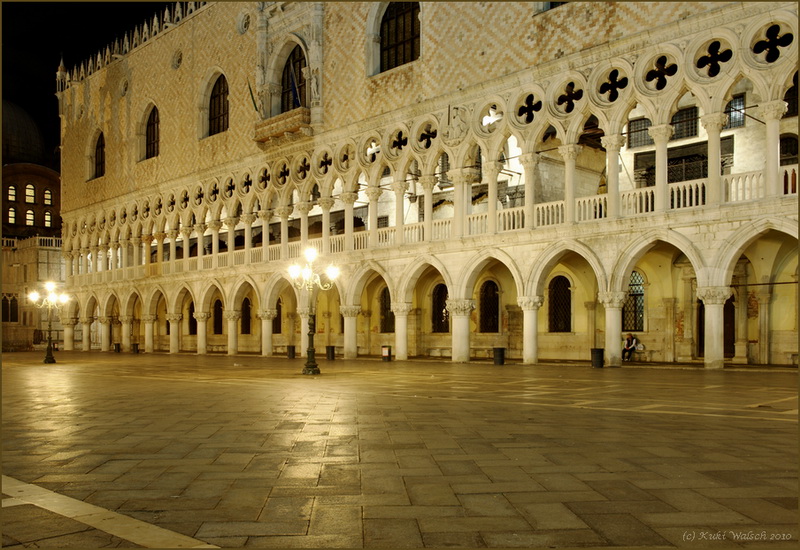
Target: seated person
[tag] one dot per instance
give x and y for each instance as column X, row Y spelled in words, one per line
column 629, row 347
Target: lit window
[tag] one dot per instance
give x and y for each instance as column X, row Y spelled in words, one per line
column 12, row 215
column 48, row 197
column 30, row 194
column 151, row 135
column 684, row 123
column 293, row 83
column 48, row 219
column 29, row 219
column 400, row 34
column 100, row 157
column 218, row 107
column 633, row 309
column 735, row 111
column 12, row 193
column 638, row 136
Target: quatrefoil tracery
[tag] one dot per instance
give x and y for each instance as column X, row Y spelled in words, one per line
column 662, row 70
column 614, row 84
column 772, row 42
column 529, row 107
column 714, row 59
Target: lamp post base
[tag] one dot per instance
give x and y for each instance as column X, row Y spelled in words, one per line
column 311, row 364
column 48, row 357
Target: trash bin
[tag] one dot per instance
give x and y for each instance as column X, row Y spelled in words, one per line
column 290, row 352
column 117, row 348
column 499, row 356
column 386, row 353
column 135, row 348
column 330, row 353
column 597, row 357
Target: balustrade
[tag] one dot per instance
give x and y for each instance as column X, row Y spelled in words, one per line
column 274, row 252
column 511, row 219
column 687, row 194
column 591, row 208
column 477, row 224
column 238, row 257
column 256, row 255
column 440, row 230
column 638, row 201
column 743, row 187
column 386, row 236
column 549, row 213
column 361, row 240
column 413, row 233
column 336, row 243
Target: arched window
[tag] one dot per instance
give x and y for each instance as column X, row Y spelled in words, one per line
column 387, row 315
column 48, row 197
column 293, row 83
column 400, row 33
column 29, row 218
column 10, row 309
column 245, row 316
column 788, row 148
column 440, row 317
column 151, row 135
column 48, row 219
column 218, row 317
column 192, row 320
column 218, row 107
column 489, row 307
column 100, row 156
column 633, row 309
column 30, row 194
column 12, row 193
column 12, row 215
column 560, row 307
column 276, row 322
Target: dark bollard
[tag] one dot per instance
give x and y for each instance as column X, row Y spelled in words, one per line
column 330, row 353
column 597, row 357
column 290, row 352
column 499, row 356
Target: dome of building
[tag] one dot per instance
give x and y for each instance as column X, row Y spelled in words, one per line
column 22, row 139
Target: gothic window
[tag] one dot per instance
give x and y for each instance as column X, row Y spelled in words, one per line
column 12, row 215
column 100, row 156
column 29, row 218
column 791, row 99
column 48, row 219
column 293, row 83
column 400, row 34
column 633, row 309
column 684, row 123
column 735, row 111
column 152, row 135
column 12, row 193
column 276, row 322
column 218, row 317
column 788, row 150
column 218, row 107
column 383, row 221
column 48, row 197
column 638, row 136
column 30, row 194
column 489, row 307
column 440, row 317
column 387, row 315
column 560, row 308
column 246, row 316
column 192, row 321
column 10, row 309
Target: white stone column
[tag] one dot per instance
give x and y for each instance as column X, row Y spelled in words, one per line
column 247, row 220
column 214, row 226
column 202, row 318
column 399, row 187
column 172, row 235
column 86, row 333
column 772, row 112
column 401, row 310
column 612, row 144
column 69, row 333
column 264, row 215
column 591, row 324
column 186, row 235
column 303, row 209
column 490, row 172
column 230, row 223
column 459, row 317
column 105, row 333
column 125, row 259
column 613, row 302
column 200, row 230
column 373, row 194
column 713, row 124
column 714, row 299
column 126, row 321
column 136, row 251
column 326, row 203
column 174, row 320
column 427, row 183
column 160, row 247
column 148, row 321
column 530, row 163
column 530, row 327
column 661, row 135
column 764, row 303
column 267, row 316
column 304, row 314
column 570, row 154
column 84, row 261
column 97, row 266
column 113, row 256
column 350, row 314
column 233, row 316
column 284, row 212
column 349, row 200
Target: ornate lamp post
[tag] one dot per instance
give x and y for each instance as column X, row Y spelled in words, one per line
column 50, row 300
column 304, row 278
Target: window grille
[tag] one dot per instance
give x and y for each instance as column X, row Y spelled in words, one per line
column 218, row 107
column 218, row 317
column 29, row 218
column 791, row 99
column 30, row 194
column 12, row 215
column 100, row 157
column 192, row 320
column 440, row 317
column 276, row 322
column 245, row 329
column 444, row 168
column 638, row 136
column 387, row 315
column 687, row 168
column 560, row 307
column 788, row 150
column 633, row 309
column 48, row 197
column 735, row 111
column 489, row 307
column 684, row 123
column 293, row 83
column 400, row 34
column 152, row 135
column 383, row 221
column 12, row 193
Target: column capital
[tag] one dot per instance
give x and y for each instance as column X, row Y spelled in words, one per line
column 284, row 212
column 173, row 317
column 149, row 318
column 401, row 308
column 104, row 320
column 87, row 320
column 428, row 182
column 264, row 215
column 230, row 222
column 661, row 133
column 69, row 321
column 268, row 314
column 247, row 218
column 350, row 311
column 570, row 151
column 714, row 121
column 460, row 307
column 773, row 110
column 530, row 302
column 186, row 232
column 172, row 234
column 613, row 300
column 303, row 208
column 160, row 236
column 373, row 193
column 714, row 295
column 613, row 142
column 348, row 198
column 124, row 319
column 201, row 316
column 233, row 314
column 529, row 160
column 304, row 312
column 326, row 203
column 399, row 186
column 463, row 175
column 136, row 241
column 200, row 228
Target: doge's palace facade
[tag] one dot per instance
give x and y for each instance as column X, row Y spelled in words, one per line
column 540, row 177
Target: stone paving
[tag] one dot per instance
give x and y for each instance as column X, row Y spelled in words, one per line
column 171, row 451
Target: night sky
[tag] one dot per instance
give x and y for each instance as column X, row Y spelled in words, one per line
column 37, row 34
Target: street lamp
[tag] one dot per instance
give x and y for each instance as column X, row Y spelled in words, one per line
column 304, row 278
column 50, row 300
